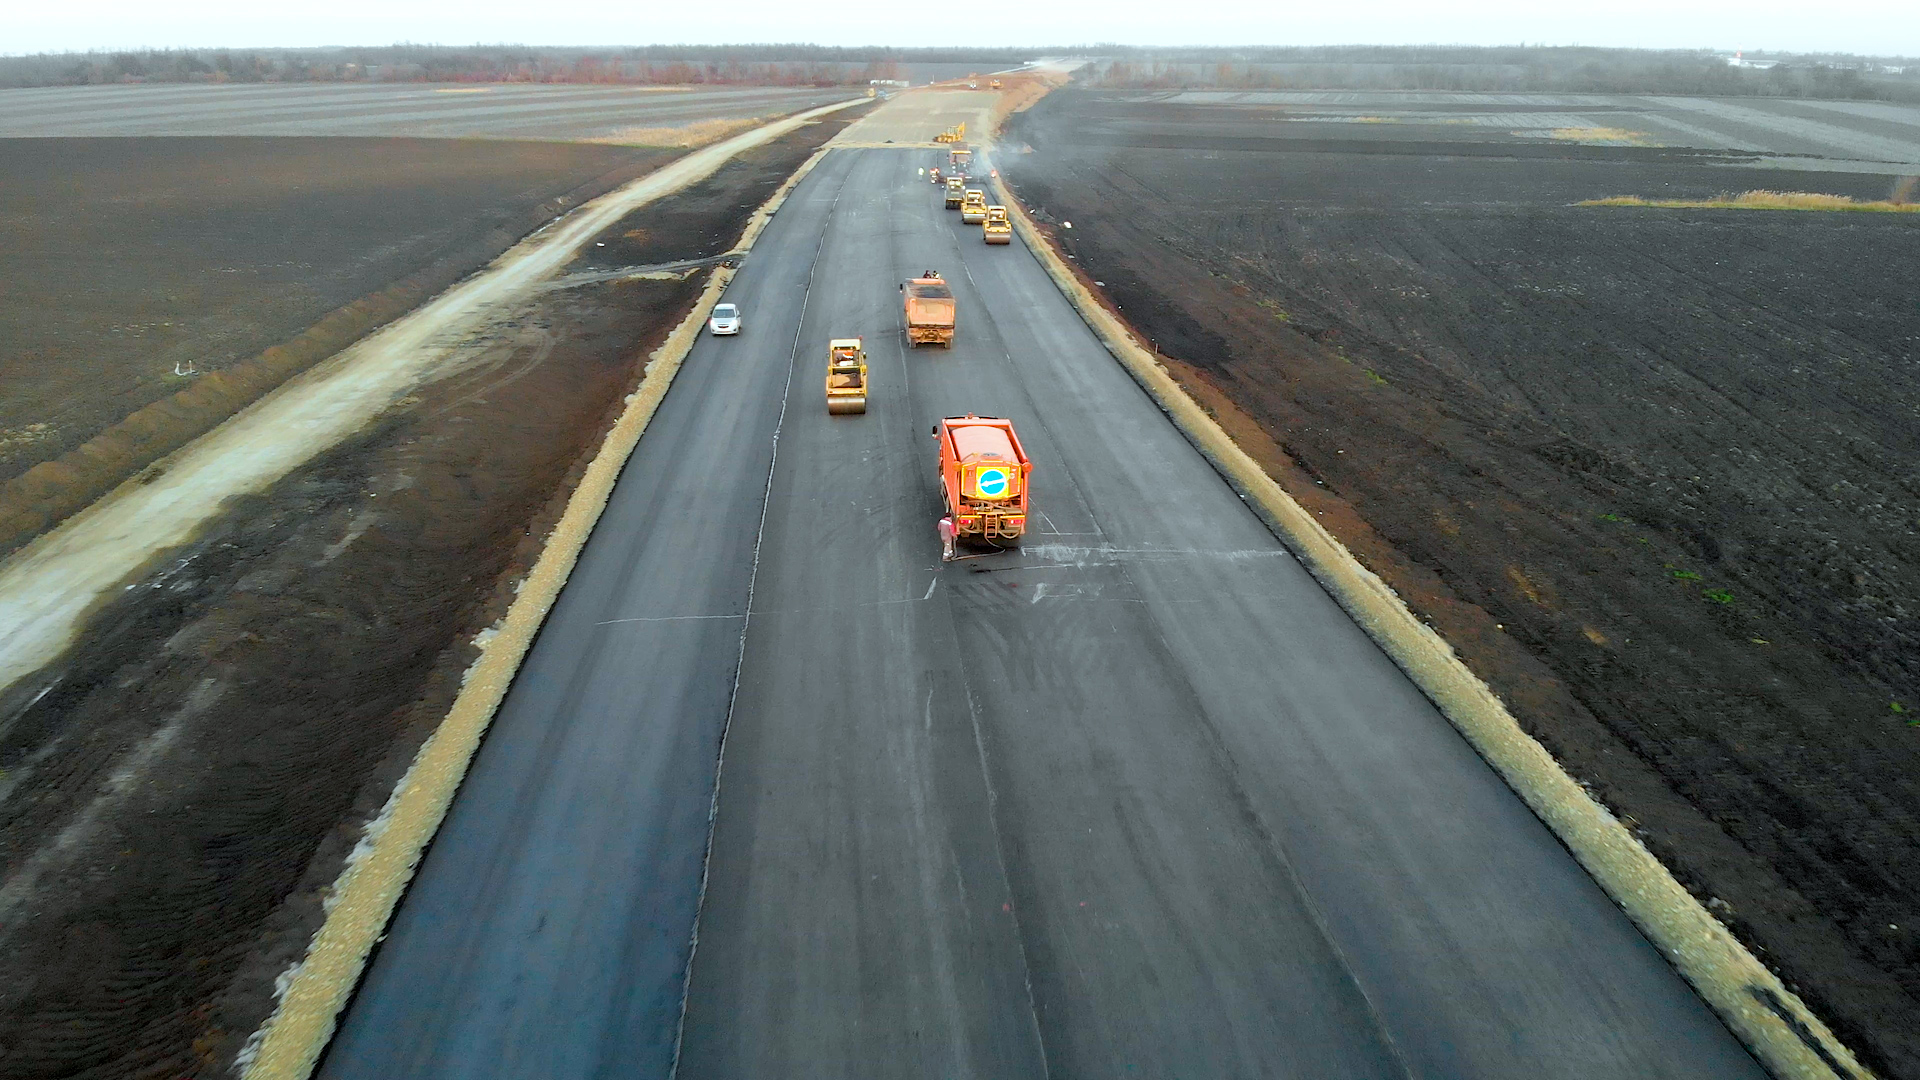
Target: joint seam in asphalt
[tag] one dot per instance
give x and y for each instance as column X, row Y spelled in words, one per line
column 746, row 624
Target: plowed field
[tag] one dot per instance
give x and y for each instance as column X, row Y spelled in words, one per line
column 178, row 797
column 243, row 260
column 1655, row 473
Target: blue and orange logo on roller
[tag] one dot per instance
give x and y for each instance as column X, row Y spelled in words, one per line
column 992, row 482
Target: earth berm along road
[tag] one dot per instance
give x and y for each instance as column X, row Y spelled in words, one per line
column 1137, row 799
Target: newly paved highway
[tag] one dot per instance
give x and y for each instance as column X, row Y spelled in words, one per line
column 1138, row 800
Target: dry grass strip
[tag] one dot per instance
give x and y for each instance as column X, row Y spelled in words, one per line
column 697, row 133
column 1601, row 136
column 1773, row 1022
column 365, row 895
column 1765, row 200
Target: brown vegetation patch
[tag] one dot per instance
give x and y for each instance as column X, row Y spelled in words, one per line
column 1765, row 200
column 685, row 136
column 1601, row 136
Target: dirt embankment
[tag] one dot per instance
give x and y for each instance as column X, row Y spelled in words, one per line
column 242, row 260
column 1650, row 471
column 1020, row 91
column 174, row 807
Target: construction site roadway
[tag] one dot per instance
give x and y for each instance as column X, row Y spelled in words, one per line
column 1135, row 799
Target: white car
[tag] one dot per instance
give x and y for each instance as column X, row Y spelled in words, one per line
column 725, row 320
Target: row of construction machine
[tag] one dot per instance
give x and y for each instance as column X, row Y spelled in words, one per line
column 984, row 472
column 995, row 226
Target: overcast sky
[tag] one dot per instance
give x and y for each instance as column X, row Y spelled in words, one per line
column 1880, row 27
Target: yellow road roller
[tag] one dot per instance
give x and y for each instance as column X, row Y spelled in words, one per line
column 997, row 229
column 846, row 376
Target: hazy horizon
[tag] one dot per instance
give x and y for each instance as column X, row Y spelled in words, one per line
column 1878, row 28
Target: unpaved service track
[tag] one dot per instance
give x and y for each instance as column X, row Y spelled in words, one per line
column 1138, row 799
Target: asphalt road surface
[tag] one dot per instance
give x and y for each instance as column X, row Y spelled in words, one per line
column 1136, row 800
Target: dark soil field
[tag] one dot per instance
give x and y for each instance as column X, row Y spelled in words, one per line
column 249, row 259
column 173, row 811
column 1654, row 473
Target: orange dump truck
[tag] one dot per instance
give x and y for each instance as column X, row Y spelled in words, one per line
column 984, row 473
column 929, row 311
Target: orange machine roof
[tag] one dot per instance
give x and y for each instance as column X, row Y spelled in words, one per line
column 972, row 441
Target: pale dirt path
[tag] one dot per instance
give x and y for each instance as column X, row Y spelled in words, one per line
column 912, row 118
column 48, row 587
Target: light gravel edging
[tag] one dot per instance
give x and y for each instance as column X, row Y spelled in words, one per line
column 1771, row 1020
column 363, row 898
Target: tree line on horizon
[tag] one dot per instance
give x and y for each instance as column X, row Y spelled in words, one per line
column 759, row 65
column 1517, row 68
column 1513, row 69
